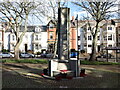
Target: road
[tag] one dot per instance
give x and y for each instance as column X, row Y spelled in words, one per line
column 29, row 76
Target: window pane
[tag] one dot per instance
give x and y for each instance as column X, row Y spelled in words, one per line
column 98, row 37
column 105, row 37
column 89, row 28
column 109, row 45
column 51, row 36
column 36, row 46
column 110, row 37
column 89, row 38
column 78, row 46
column 36, row 37
column 109, row 28
column 89, row 45
column 78, row 37
column 13, row 37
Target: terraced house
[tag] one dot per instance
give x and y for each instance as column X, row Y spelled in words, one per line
column 35, row 39
column 39, row 38
column 108, row 35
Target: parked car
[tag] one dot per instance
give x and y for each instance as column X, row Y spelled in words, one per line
column 6, row 55
column 49, row 55
column 105, row 56
column 27, row 55
column 43, row 55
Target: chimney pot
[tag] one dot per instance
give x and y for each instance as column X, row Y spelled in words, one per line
column 72, row 18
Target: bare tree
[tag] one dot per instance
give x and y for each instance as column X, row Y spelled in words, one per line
column 16, row 14
column 99, row 11
column 52, row 8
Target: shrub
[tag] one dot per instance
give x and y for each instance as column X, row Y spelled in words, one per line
column 82, row 51
column 30, row 51
column 5, row 50
column 38, row 53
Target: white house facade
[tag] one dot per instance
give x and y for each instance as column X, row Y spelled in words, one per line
column 106, row 36
column 35, row 39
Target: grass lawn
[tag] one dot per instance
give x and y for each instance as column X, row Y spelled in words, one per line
column 33, row 61
column 45, row 61
column 98, row 63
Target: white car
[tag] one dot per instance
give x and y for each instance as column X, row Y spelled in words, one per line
column 6, row 55
column 27, row 55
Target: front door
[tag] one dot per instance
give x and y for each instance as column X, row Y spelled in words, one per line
column 25, row 47
column 98, row 48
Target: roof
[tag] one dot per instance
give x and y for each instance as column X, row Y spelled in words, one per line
column 30, row 28
column 43, row 28
column 73, row 24
column 52, row 21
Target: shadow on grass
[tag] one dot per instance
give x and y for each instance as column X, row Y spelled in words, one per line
column 23, row 66
column 97, row 79
column 16, row 80
column 12, row 78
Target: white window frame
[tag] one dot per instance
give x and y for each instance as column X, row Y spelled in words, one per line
column 89, row 37
column 37, row 46
column 13, row 37
column 36, row 37
column 110, row 37
column 51, row 36
column 89, row 45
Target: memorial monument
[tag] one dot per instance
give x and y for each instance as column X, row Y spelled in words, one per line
column 63, row 64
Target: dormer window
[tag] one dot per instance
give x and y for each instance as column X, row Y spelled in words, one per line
column 37, row 29
column 36, row 37
column 109, row 28
column 51, row 26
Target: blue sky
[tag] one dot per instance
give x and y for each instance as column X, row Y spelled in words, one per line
column 73, row 12
column 73, row 8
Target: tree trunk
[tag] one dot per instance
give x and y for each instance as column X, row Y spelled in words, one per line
column 19, row 39
column 17, row 52
column 93, row 54
column 94, row 44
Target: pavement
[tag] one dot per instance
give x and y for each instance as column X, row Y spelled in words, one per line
column 21, row 75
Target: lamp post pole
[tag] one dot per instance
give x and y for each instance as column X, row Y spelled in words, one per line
column 77, row 38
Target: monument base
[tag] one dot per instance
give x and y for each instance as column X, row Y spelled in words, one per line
column 70, row 67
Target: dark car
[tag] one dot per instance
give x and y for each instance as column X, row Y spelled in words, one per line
column 43, row 55
column 104, row 56
column 49, row 55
